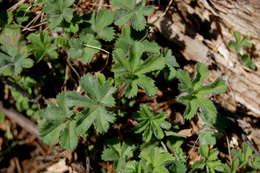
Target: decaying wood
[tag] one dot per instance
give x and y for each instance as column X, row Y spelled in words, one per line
column 20, row 119
column 185, row 24
column 203, row 28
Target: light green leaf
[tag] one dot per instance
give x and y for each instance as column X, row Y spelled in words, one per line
column 157, row 159
column 184, row 77
column 13, row 52
column 218, row 86
column 202, row 73
column 57, row 10
column 247, row 61
column 50, row 131
column 68, row 139
column 131, row 11
column 119, row 153
column 204, row 150
column 99, row 24
column 41, row 46
column 150, row 123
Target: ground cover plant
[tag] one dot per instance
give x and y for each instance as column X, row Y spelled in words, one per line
column 103, row 70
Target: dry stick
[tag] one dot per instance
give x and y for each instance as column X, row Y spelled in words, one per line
column 100, row 4
column 94, row 47
column 229, row 153
column 95, row 4
column 20, row 119
column 75, row 71
column 15, row 6
column 165, row 11
column 245, row 138
column 5, row 80
column 33, row 20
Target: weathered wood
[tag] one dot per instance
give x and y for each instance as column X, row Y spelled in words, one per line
column 186, row 23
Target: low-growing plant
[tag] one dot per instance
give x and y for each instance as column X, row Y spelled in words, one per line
column 240, row 43
column 196, row 93
column 210, row 161
column 100, row 105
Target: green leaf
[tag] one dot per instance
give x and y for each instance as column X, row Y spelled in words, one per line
column 2, row 117
column 84, row 48
column 178, row 167
column 13, row 52
column 204, row 150
column 41, row 46
column 57, row 11
column 157, row 159
column 130, row 69
column 198, row 164
column 202, row 73
column 98, row 96
column 155, row 62
column 184, row 77
column 119, row 153
column 247, row 61
column 68, row 139
column 239, row 42
column 131, row 11
column 150, row 123
column 196, row 92
column 207, row 136
column 147, row 84
column 132, row 167
column 99, row 24
column 208, row 108
column 50, row 131
column 58, row 124
column 218, row 86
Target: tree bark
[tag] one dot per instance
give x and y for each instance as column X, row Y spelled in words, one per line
column 205, row 27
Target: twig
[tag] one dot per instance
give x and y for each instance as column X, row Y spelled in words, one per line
column 70, row 65
column 20, row 119
column 164, row 13
column 100, row 4
column 5, row 80
column 95, row 4
column 229, row 153
column 245, row 138
column 33, row 21
column 15, row 6
column 94, row 47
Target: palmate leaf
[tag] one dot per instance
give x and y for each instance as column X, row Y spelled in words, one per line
column 170, row 62
column 57, row 11
column 98, row 97
column 129, row 36
column 41, row 46
column 58, row 124
column 13, row 52
column 157, row 159
column 247, row 61
column 197, row 91
column 151, row 123
column 210, row 160
column 207, row 136
column 119, row 153
column 131, row 69
column 84, row 48
column 99, row 24
column 239, row 42
column 131, row 11
column 133, row 167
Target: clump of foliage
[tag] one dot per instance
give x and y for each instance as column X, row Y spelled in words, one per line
column 104, row 105
column 239, row 43
column 196, row 93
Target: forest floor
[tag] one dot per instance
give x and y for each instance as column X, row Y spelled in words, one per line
column 22, row 151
